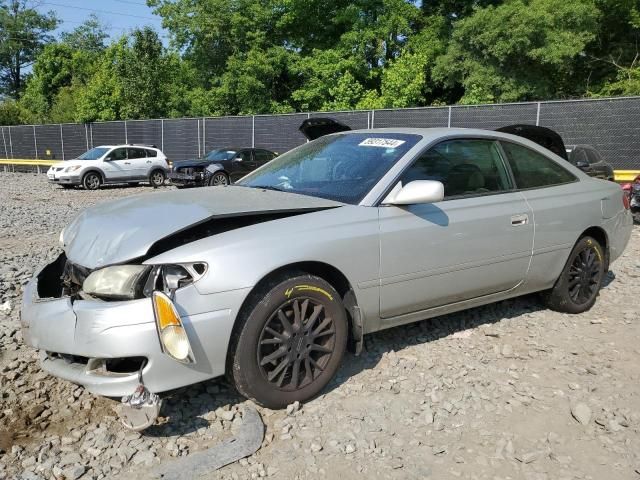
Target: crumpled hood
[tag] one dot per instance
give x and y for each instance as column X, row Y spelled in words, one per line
column 121, row 230
column 196, row 162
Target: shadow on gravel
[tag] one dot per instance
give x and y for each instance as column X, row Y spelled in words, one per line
column 185, row 406
column 116, row 186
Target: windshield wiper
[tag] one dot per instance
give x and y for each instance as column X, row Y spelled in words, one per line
column 267, row 187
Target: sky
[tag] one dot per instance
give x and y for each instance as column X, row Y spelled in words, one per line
column 119, row 16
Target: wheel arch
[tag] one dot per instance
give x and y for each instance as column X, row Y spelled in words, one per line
column 93, row 170
column 600, row 234
column 327, row 272
column 157, row 168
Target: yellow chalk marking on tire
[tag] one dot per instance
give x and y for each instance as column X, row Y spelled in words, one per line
column 598, row 253
column 311, row 288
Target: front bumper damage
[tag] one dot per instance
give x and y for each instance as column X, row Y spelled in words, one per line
column 106, row 345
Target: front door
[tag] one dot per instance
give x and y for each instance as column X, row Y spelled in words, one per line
column 116, row 165
column 241, row 165
column 476, row 242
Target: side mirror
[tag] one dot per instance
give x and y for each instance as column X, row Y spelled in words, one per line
column 237, row 159
column 416, row 192
column 581, row 164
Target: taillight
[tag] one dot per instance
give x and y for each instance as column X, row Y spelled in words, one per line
column 625, row 201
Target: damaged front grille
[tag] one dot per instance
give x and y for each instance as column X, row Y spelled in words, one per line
column 191, row 170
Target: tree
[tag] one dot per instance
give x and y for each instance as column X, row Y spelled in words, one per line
column 89, row 37
column 23, row 34
column 407, row 81
column 134, row 79
column 10, row 113
column 519, row 50
column 615, row 66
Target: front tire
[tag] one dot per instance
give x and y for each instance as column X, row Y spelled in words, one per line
column 290, row 341
column 219, row 179
column 577, row 287
column 91, row 181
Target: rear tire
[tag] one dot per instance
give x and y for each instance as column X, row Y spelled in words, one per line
column 577, row 287
column 290, row 341
column 91, row 181
column 156, row 178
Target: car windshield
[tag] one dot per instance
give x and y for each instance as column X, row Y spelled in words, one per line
column 342, row 167
column 93, row 154
column 220, row 154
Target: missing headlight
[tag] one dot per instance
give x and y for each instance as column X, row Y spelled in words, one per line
column 169, row 278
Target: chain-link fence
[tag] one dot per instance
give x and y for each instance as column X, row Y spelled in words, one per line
column 611, row 125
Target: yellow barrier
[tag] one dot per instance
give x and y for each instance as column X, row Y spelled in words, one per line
column 626, row 175
column 27, row 162
column 24, row 161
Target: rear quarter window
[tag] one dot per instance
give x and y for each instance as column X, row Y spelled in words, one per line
column 534, row 170
column 151, row 153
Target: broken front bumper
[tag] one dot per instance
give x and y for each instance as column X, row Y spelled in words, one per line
column 101, row 345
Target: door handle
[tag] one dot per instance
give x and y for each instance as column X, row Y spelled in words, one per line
column 127, row 163
column 521, row 219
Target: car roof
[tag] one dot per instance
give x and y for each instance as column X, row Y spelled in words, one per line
column 130, row 145
column 237, row 149
column 429, row 134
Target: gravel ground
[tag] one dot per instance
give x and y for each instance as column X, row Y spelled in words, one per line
column 506, row 391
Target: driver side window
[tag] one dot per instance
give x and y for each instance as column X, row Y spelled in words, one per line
column 118, row 154
column 245, row 155
column 465, row 167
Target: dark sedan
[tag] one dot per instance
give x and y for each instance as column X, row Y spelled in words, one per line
column 221, row 166
column 589, row 160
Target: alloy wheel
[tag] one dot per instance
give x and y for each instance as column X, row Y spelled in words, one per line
column 296, row 344
column 219, row 179
column 92, row 181
column 584, row 275
column 157, row 178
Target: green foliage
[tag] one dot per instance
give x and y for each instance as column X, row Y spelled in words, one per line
column 274, row 56
column 23, row 33
column 10, row 113
column 519, row 50
column 89, row 37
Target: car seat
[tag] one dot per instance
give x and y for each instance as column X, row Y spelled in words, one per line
column 464, row 178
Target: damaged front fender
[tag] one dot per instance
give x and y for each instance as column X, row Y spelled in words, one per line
column 125, row 229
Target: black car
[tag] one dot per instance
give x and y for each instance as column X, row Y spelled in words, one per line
column 221, row 166
column 589, row 160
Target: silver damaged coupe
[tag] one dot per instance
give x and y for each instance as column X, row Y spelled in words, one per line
column 268, row 281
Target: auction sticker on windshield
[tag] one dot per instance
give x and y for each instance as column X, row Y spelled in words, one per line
column 381, row 142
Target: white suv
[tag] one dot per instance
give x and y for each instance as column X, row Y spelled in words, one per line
column 112, row 164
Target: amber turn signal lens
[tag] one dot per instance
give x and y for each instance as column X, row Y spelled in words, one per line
column 173, row 336
column 165, row 311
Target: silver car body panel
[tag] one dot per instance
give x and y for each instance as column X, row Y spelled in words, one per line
column 402, row 263
column 96, row 237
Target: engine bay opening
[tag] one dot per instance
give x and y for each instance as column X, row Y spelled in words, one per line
column 50, row 278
